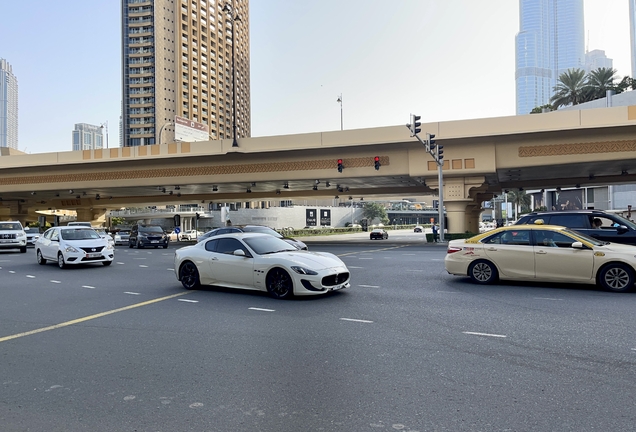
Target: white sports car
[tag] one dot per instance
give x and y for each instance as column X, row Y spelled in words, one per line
column 259, row 262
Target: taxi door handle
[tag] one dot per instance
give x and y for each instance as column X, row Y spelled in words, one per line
column 214, row 259
column 492, row 249
column 542, row 252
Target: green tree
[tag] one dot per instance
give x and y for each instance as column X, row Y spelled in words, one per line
column 599, row 81
column 541, row 109
column 570, row 90
column 117, row 221
column 625, row 84
column 374, row 210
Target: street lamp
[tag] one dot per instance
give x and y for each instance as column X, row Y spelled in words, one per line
column 235, row 17
column 105, row 124
column 340, row 102
column 162, row 127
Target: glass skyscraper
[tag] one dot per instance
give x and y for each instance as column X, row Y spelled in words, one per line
column 8, row 106
column 550, row 41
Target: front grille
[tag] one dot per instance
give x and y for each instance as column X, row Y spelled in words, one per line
column 336, row 279
column 7, row 236
column 92, row 249
column 92, row 259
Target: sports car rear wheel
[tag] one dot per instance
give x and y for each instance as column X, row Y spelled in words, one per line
column 617, row 278
column 279, row 284
column 189, row 276
column 483, row 272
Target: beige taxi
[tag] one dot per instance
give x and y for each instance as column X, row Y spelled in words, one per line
column 542, row 253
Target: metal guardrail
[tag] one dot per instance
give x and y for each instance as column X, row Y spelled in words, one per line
column 165, row 211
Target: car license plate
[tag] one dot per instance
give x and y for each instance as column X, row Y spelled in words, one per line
column 154, row 241
column 5, row 241
column 93, row 255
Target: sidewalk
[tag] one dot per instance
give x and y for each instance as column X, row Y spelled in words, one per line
column 400, row 236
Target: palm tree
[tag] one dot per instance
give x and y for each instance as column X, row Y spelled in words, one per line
column 599, row 81
column 520, row 200
column 570, row 90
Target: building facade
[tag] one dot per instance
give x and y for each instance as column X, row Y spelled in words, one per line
column 550, row 41
column 596, row 59
column 177, row 61
column 8, row 106
column 87, row 137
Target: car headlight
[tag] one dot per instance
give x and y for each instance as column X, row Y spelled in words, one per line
column 110, row 246
column 303, row 270
column 21, row 235
column 70, row 249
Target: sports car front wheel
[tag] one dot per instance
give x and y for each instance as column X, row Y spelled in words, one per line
column 279, row 284
column 189, row 276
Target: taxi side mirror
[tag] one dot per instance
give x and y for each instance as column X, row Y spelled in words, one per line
column 577, row 245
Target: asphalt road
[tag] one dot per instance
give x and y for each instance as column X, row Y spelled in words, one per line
column 408, row 347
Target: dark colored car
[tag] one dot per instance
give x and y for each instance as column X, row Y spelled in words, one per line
column 611, row 227
column 379, row 234
column 147, row 236
column 254, row 228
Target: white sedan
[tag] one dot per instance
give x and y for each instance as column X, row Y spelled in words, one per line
column 259, row 262
column 73, row 245
column 190, row 235
column 542, row 253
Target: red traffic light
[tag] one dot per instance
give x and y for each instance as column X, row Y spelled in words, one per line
column 340, row 166
column 339, row 161
column 377, row 158
column 376, row 162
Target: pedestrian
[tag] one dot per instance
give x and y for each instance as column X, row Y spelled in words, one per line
column 434, row 227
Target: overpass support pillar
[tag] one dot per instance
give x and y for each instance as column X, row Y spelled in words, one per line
column 15, row 211
column 462, row 207
column 94, row 216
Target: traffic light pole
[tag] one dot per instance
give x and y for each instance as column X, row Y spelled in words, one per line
column 440, row 205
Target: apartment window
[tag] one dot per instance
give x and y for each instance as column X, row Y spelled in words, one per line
column 87, row 138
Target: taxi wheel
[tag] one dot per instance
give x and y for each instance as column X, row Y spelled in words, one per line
column 483, row 272
column 617, row 278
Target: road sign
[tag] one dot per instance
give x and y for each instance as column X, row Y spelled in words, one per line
column 177, row 230
column 190, row 131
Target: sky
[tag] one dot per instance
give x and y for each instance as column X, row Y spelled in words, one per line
column 441, row 59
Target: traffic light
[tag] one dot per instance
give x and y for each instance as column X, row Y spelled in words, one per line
column 415, row 124
column 431, row 142
column 198, row 216
column 440, row 153
column 377, row 162
column 340, row 166
column 177, row 220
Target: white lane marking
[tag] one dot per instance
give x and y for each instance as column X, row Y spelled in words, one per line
column 188, row 301
column 143, row 266
column 369, row 286
column 120, row 263
column 633, row 349
column 139, row 258
column 54, row 281
column 437, row 259
column 355, row 267
column 167, row 254
column 408, row 254
column 88, row 286
column 548, row 298
column 5, row 260
column 262, row 310
column 450, row 292
column 11, row 271
column 365, row 258
column 131, row 293
column 415, row 270
column 485, row 334
column 356, row 320
column 30, row 276
column 170, row 269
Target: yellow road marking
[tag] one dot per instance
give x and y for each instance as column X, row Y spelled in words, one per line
column 90, row 317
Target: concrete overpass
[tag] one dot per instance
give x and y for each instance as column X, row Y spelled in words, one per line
column 482, row 157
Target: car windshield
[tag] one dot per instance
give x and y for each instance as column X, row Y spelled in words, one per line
column 9, row 226
column 263, row 230
column 32, row 231
column 151, row 229
column 79, row 234
column 625, row 221
column 263, row 245
column 584, row 237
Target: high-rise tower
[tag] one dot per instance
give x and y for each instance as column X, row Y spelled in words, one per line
column 177, row 61
column 550, row 41
column 8, row 106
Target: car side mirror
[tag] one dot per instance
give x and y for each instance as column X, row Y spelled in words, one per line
column 577, row 245
column 621, row 229
column 239, row 252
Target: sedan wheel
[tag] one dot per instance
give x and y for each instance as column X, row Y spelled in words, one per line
column 60, row 261
column 617, row 278
column 40, row 258
column 189, row 276
column 483, row 272
column 279, row 284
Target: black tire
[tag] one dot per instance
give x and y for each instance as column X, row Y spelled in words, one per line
column 139, row 246
column 165, row 247
column 40, row 258
column 130, row 245
column 107, row 263
column 483, row 272
column 279, row 284
column 23, row 249
column 616, row 277
column 60, row 261
column 189, row 276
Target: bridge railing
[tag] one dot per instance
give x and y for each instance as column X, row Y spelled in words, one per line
column 148, row 210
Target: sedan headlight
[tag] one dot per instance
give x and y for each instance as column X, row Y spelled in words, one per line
column 303, row 270
column 70, row 249
column 110, row 246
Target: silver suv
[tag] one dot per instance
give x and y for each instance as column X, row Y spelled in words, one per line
column 12, row 236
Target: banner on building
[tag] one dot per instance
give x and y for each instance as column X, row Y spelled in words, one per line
column 325, row 217
column 190, row 131
column 310, row 217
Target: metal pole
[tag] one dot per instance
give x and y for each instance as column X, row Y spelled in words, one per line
column 340, row 101
column 440, row 209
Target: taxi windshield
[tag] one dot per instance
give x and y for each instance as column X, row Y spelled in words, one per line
column 584, row 237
